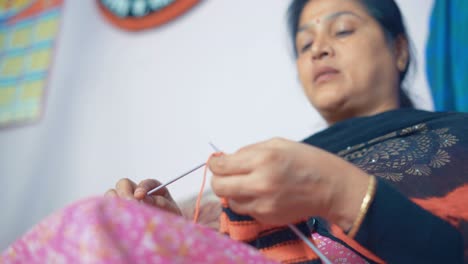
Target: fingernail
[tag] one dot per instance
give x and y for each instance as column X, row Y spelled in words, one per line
column 140, row 190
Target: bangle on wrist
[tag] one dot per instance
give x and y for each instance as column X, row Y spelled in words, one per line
column 366, row 202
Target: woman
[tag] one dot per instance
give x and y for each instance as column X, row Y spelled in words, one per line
column 354, row 187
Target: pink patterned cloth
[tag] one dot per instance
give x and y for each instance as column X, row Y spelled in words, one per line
column 336, row 252
column 113, row 230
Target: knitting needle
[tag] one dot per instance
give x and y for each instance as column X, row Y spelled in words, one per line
column 214, row 147
column 175, row 179
column 296, row 231
column 181, row 176
column 310, row 244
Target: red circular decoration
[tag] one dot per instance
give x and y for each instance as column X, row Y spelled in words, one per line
column 151, row 19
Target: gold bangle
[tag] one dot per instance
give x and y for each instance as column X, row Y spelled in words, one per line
column 364, row 207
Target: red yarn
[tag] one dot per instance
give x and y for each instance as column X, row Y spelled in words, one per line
column 200, row 194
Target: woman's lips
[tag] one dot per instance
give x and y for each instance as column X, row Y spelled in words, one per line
column 325, row 74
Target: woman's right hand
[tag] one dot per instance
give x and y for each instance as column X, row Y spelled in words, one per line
column 127, row 189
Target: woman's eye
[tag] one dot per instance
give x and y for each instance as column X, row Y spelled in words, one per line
column 344, row 33
column 306, row 47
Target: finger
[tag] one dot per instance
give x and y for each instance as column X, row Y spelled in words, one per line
column 241, row 162
column 263, row 145
column 111, row 193
column 249, row 147
column 234, row 186
column 229, row 164
column 163, row 203
column 147, row 185
column 240, row 206
column 125, row 188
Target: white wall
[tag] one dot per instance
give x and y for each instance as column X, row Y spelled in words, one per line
column 145, row 105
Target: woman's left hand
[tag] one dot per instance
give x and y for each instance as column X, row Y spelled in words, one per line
column 280, row 181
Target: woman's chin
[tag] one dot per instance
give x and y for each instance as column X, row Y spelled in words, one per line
column 333, row 110
column 329, row 103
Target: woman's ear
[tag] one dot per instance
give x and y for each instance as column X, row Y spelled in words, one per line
column 402, row 53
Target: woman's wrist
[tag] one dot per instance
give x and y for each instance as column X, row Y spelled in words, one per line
column 353, row 197
column 366, row 202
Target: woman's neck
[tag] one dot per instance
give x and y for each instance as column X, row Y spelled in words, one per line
column 337, row 116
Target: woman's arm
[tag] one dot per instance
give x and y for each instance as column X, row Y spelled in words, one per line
column 279, row 182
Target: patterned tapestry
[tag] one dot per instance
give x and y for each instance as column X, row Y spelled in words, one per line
column 28, row 30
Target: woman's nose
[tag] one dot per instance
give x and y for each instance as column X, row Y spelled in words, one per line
column 321, row 50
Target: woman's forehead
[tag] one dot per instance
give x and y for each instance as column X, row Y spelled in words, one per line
column 319, row 11
column 326, row 18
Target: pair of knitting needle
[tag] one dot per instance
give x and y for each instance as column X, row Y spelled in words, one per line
column 183, row 175
column 292, row 227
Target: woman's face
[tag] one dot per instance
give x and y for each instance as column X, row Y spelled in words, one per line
column 346, row 66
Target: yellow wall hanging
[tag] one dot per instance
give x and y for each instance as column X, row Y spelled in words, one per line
column 28, row 30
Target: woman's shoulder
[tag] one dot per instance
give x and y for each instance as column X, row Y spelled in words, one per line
column 362, row 129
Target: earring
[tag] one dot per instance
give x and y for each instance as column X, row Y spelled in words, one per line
column 402, row 62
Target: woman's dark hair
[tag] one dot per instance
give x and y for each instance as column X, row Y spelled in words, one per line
column 388, row 15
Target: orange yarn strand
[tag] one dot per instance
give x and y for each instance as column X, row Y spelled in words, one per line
column 200, row 194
